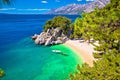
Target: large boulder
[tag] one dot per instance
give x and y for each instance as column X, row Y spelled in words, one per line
column 52, row 36
column 37, row 41
column 50, row 41
column 49, row 32
column 64, row 39
column 40, row 38
column 42, row 34
column 57, row 32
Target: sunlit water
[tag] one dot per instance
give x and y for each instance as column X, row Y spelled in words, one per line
column 21, row 59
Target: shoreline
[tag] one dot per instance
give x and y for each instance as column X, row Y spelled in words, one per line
column 84, row 50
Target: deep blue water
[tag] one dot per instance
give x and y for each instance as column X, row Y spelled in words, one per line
column 15, row 27
column 21, row 58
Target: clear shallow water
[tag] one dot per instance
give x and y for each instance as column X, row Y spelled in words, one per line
column 23, row 60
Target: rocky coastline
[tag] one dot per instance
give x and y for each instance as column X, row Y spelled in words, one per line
column 50, row 37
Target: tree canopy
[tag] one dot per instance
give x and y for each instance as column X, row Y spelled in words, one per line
column 102, row 25
column 58, row 21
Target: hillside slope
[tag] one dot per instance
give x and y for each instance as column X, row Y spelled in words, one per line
column 79, row 8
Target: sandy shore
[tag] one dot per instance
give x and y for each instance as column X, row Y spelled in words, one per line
column 84, row 50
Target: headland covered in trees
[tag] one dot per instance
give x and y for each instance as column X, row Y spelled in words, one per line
column 60, row 30
column 101, row 29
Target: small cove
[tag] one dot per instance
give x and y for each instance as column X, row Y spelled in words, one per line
column 23, row 60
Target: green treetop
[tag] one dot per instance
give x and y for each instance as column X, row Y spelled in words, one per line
column 102, row 25
column 59, row 21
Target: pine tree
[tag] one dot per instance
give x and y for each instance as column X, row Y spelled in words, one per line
column 102, row 25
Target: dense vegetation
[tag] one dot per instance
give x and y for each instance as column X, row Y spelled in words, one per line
column 108, row 68
column 103, row 26
column 59, row 21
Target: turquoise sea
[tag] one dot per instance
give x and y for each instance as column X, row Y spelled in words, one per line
column 21, row 59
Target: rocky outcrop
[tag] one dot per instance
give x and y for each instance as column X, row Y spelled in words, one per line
column 50, row 40
column 52, row 36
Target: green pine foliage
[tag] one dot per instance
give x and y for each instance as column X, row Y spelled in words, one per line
column 59, row 21
column 102, row 25
column 108, row 68
column 78, row 30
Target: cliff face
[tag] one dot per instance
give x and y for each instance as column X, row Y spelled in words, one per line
column 79, row 8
